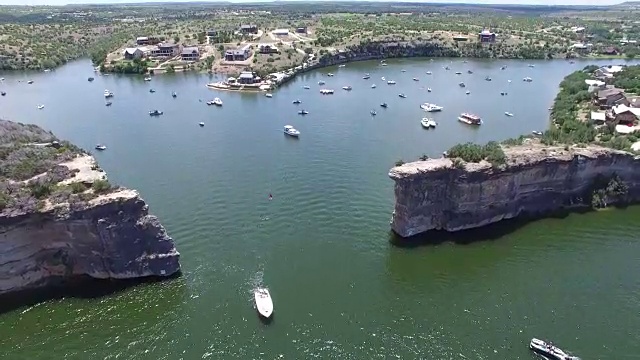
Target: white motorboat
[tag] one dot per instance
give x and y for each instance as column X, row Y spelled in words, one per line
column 147, row 78
column 535, row 132
column 217, row 102
column 101, row 147
column 40, row 107
column 550, row 351
column 297, row 102
column 428, row 123
column 458, row 72
column 373, row 86
column 373, row 113
column 429, row 89
column 306, row 87
column 341, row 65
column 366, row 77
column 303, row 112
column 383, row 78
column 403, row 70
column 429, row 73
column 264, row 304
column 527, row 79
column 470, row 119
column 30, row 82
column 269, row 95
column 391, row 82
column 487, row 78
column 108, row 93
column 201, row 124
column 291, row 131
column 383, row 64
column 467, row 92
column 326, row 91
column 508, row 80
column 329, row 74
column 348, row 88
column 416, row 79
column 508, row 113
column 321, row 82
column 402, row 96
column 428, row 107
column 155, row 113
column 531, row 65
column 384, row 105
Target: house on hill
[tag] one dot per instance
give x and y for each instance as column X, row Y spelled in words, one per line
column 133, row 53
column 486, row 36
column 249, row 29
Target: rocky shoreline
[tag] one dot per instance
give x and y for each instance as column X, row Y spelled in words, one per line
column 61, row 221
column 536, row 180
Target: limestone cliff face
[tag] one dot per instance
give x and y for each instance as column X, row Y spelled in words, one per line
column 536, row 180
column 61, row 220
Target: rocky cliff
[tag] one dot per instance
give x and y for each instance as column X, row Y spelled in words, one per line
column 441, row 194
column 60, row 218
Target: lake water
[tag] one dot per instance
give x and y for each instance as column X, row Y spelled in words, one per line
column 341, row 289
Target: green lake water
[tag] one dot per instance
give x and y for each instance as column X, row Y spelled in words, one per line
column 322, row 245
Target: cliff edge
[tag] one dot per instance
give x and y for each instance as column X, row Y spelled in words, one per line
column 61, row 219
column 449, row 194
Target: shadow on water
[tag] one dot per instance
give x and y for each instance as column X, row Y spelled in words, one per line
column 264, row 320
column 489, row 232
column 82, row 287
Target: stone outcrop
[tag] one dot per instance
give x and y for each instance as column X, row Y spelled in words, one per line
column 57, row 229
column 440, row 194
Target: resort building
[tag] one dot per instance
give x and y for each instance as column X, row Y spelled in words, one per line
column 267, row 49
column 460, row 38
column 142, row 40
column 241, row 54
column 280, row 32
column 607, row 98
column 249, row 29
column 132, row 53
column 190, row 53
column 301, row 30
column 582, row 48
column 166, row 50
column 247, row 77
column 487, row 36
column 598, row 118
column 607, row 72
column 624, row 115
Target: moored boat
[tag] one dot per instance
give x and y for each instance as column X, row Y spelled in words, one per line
column 366, row 77
column 201, row 124
column 321, row 82
column 306, row 87
column 373, row 86
column 269, row 95
column 329, row 74
column 391, row 82
column 535, row 132
column 467, row 92
column 326, row 91
column 152, row 90
column 458, row 73
column 428, row 107
column 297, row 102
column 416, row 79
column 508, row 113
column 462, row 84
column 487, row 78
column 402, row 96
column 108, row 103
column 469, row 72
column 108, row 93
column 429, row 89
column 470, row 119
column 147, row 78
column 429, row 73
column 427, row 123
column 30, row 82
column 373, row 113
column 348, row 88
column 174, row 95
column 264, row 304
column 291, row 131
column 90, row 79
column 527, row 79
column 101, row 147
column 155, row 113
column 40, row 107
column 550, row 351
column 341, row 65
column 217, row 102
column 303, row 112
column 384, row 105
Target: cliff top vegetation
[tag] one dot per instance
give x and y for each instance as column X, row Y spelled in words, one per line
column 33, row 170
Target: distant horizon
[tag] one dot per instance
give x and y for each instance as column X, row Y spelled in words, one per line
column 478, row 2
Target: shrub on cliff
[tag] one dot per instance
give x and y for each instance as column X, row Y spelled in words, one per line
column 101, row 186
column 604, row 192
column 469, row 152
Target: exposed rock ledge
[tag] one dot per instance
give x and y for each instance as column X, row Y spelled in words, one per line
column 103, row 234
column 536, row 180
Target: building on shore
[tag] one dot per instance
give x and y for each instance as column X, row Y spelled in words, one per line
column 142, row 40
column 267, row 49
column 280, row 32
column 165, row 50
column 460, row 38
column 486, row 36
column 132, row 53
column 301, row 30
column 191, row 53
column 249, row 29
column 240, row 54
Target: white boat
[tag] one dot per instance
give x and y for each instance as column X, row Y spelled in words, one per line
column 373, row 86
column 217, row 102
column 534, row 132
column 402, row 96
column 306, row 87
column 297, row 102
column 508, row 80
column 108, row 93
column 470, row 119
column 326, row 91
column 383, row 79
column 383, row 64
column 147, row 79
column 341, row 65
column 403, row 70
column 373, row 113
column 531, row 65
column 264, row 304
column 428, row 107
column 429, row 73
column 30, row 82
column 366, row 77
column 269, row 95
column 508, row 113
column 329, row 74
column 291, row 131
column 155, row 113
column 391, row 82
column 467, row 92
column 416, row 79
column 201, row 124
column 458, row 73
column 40, row 107
column 549, row 350
column 347, row 88
column 429, row 89
column 101, row 147
column 320, row 82
column 527, row 79
column 427, row 123
column 303, row 112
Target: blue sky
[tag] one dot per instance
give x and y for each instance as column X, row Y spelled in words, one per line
column 537, row 2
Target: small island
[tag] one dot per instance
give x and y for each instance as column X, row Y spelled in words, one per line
column 61, row 220
column 589, row 158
